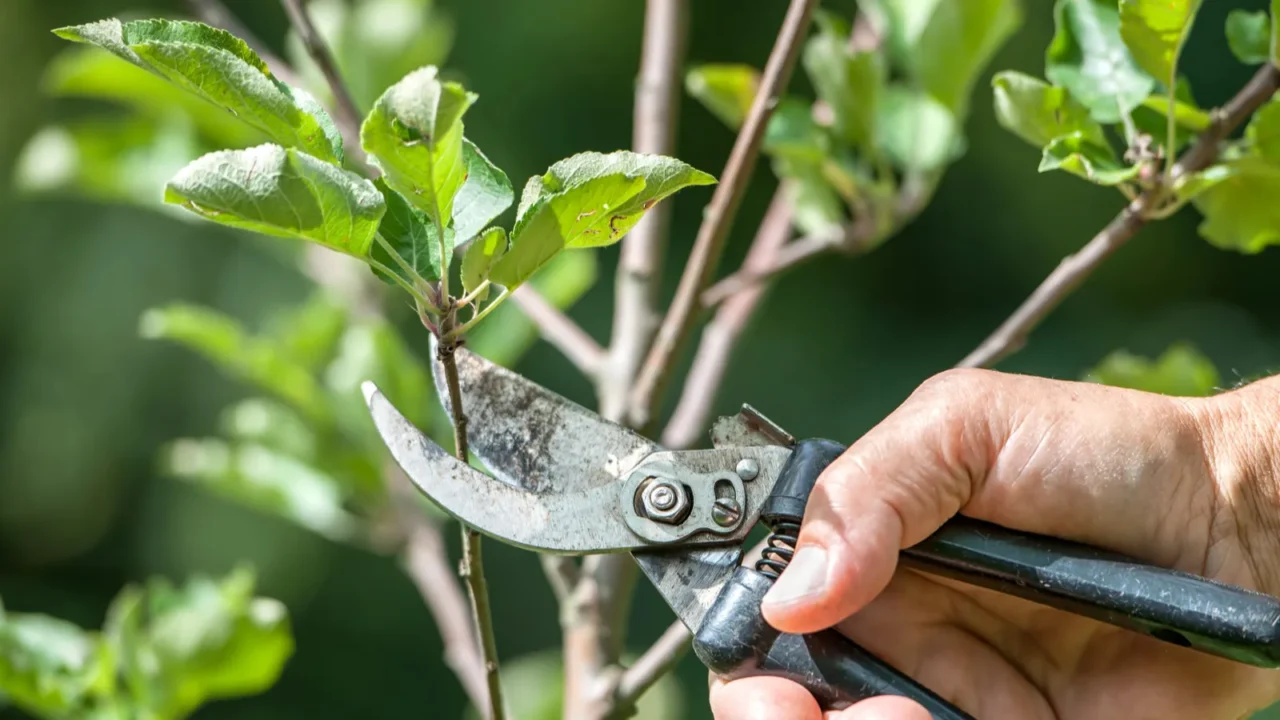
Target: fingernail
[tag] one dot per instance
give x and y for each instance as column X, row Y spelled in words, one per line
column 804, row 577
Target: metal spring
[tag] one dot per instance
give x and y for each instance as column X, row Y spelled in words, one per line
column 781, row 546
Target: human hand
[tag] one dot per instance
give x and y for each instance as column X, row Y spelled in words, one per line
column 1191, row 484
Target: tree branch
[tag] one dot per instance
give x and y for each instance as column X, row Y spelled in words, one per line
column 472, row 569
column 563, row 333
column 718, row 219
column 1075, row 269
column 720, row 335
column 347, row 115
column 764, row 266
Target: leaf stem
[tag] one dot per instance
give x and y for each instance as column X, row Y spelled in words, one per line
column 462, row 329
column 472, row 569
column 471, row 296
column 413, row 292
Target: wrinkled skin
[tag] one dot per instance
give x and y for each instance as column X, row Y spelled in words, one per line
column 1192, row 484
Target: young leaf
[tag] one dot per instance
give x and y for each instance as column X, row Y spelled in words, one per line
column 487, row 249
column 284, row 193
column 1181, row 371
column 946, row 44
column 224, row 342
column 1155, row 31
column 1089, row 58
column 727, row 90
column 220, row 68
column 265, row 479
column 1249, row 36
column 1038, row 112
column 917, row 132
column 588, row 200
column 414, row 134
column 485, row 195
column 1263, row 132
column 50, row 667
column 850, row 83
column 1191, row 185
column 1240, row 210
column 413, row 237
column 1077, row 155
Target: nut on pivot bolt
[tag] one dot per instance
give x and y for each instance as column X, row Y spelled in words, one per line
column 663, row 501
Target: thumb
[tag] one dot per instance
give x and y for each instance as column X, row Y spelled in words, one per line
column 891, row 489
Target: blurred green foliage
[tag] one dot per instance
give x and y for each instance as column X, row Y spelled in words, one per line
column 83, row 406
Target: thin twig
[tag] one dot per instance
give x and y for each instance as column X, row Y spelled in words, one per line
column 1075, row 269
column 563, row 333
column 426, row 562
column 472, row 569
column 765, row 266
column 718, row 219
column 720, row 335
column 562, row 574
column 347, row 115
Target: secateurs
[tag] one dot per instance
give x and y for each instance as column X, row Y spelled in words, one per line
column 565, row 480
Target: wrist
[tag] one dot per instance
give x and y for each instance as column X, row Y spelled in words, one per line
column 1240, row 431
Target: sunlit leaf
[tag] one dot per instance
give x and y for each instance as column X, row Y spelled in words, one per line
column 487, row 249
column 273, row 425
column 850, row 83
column 726, row 90
column 284, row 193
column 309, row 331
column 917, row 132
column 1240, row 210
column 50, row 667
column 1263, row 132
column 1077, row 155
column 1155, row 31
column 1181, row 371
column 414, row 134
column 1038, row 112
column 1249, row 36
column 588, row 200
column 220, row 68
column 265, row 479
column 484, row 196
column 1089, row 58
column 224, row 342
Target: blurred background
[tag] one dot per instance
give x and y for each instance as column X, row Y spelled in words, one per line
column 87, row 403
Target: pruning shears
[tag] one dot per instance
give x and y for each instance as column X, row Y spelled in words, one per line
column 565, row 480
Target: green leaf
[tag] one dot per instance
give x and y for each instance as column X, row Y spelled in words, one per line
column 1191, row 185
column 917, row 132
column 1038, row 112
column 87, row 72
column 1077, row 155
column 309, row 332
column 1089, row 58
column 413, row 237
column 946, row 45
column 794, row 134
column 1240, row 210
column 1181, row 371
column 1155, row 31
column 588, row 200
column 415, row 135
column 273, row 425
column 1263, row 132
column 50, row 667
column 850, row 83
column 284, row 193
column 479, row 258
column 207, row 640
column 224, row 342
column 219, row 67
column 725, row 89
column 374, row 350
column 1249, row 36
column 263, row 478
column 484, row 196
column 507, row 334
column 108, row 159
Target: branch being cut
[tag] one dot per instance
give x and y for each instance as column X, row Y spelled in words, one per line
column 1075, row 269
column 718, row 219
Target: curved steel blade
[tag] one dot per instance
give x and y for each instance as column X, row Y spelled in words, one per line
column 532, row 438
column 582, row 522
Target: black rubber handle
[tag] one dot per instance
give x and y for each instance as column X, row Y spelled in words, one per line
column 1173, row 606
column 734, row 641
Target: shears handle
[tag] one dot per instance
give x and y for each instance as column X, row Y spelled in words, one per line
column 1169, row 605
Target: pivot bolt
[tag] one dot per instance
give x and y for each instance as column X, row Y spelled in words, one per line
column 726, row 512
column 663, row 501
column 748, row 469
